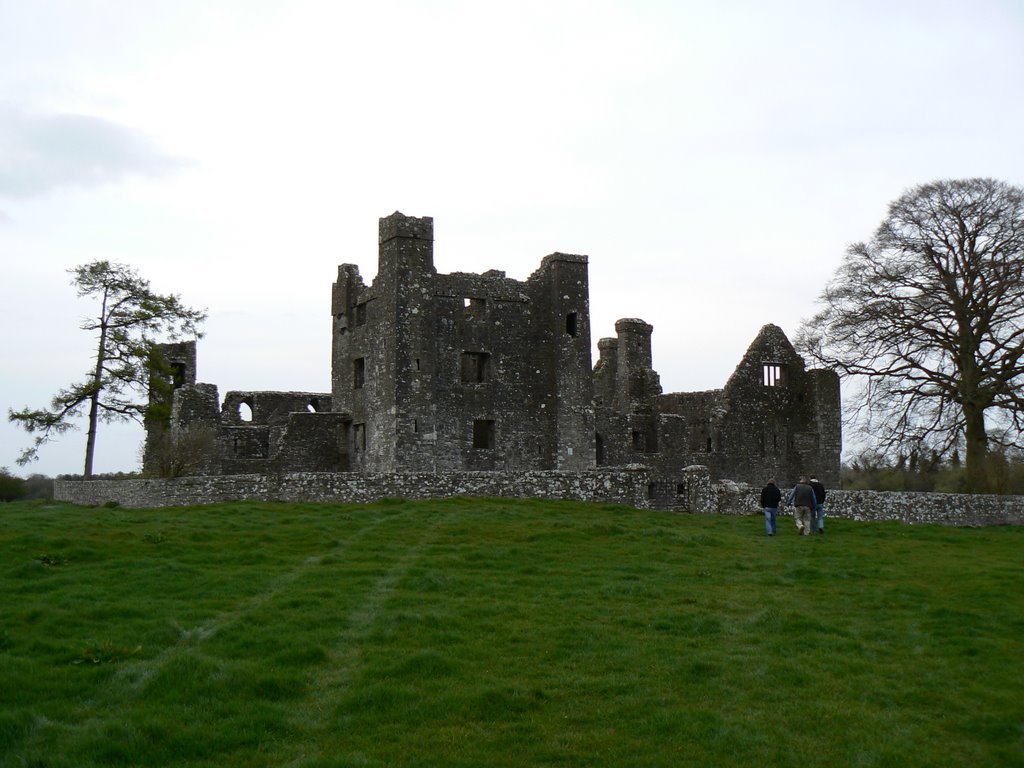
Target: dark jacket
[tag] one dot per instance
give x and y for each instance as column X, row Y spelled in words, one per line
column 802, row 495
column 771, row 496
column 819, row 491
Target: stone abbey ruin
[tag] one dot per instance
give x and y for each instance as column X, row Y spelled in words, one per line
column 436, row 373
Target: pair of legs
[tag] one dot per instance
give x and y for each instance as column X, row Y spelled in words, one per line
column 769, row 520
column 804, row 517
column 819, row 517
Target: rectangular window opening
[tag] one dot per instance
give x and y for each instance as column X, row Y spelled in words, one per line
column 474, row 307
column 773, row 375
column 483, row 434
column 572, row 323
column 475, row 367
column 359, row 436
column 361, row 314
column 358, row 372
column 177, row 375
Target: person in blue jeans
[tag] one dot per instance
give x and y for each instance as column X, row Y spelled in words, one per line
column 770, row 498
column 819, row 507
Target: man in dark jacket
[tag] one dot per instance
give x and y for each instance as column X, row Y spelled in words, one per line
column 819, row 508
column 770, row 498
column 801, row 498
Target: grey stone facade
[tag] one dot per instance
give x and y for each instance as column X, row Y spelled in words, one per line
column 454, row 373
column 773, row 418
column 442, row 373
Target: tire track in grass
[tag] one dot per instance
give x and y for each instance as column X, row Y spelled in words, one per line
column 137, row 675
column 344, row 660
column 129, row 681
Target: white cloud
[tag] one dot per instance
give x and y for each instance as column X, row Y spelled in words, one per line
column 42, row 152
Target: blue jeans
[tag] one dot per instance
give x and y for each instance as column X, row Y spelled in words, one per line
column 819, row 516
column 769, row 520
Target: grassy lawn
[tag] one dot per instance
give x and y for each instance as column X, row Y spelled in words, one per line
column 483, row 632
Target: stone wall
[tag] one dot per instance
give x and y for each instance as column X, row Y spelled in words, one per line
column 634, row 487
column 690, row 491
column 907, row 507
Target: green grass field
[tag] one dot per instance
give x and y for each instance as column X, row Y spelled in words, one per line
column 484, row 632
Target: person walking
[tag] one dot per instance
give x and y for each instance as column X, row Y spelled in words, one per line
column 802, row 500
column 819, row 508
column 770, row 498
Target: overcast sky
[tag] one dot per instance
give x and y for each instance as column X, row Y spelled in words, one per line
column 713, row 159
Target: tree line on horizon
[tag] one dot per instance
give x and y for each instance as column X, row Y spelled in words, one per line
column 14, row 488
column 929, row 472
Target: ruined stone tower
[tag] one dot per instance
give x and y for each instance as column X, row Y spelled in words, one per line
column 462, row 371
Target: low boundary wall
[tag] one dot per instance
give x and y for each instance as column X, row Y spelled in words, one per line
column 637, row 487
column 973, row 510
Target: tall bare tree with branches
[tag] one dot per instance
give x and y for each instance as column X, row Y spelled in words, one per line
column 928, row 317
column 127, row 322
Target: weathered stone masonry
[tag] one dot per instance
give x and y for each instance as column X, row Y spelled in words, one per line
column 450, row 373
column 773, row 418
column 441, row 373
column 632, row 487
column 621, row 486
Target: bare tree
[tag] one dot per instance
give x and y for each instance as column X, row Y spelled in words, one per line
column 128, row 320
column 929, row 318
